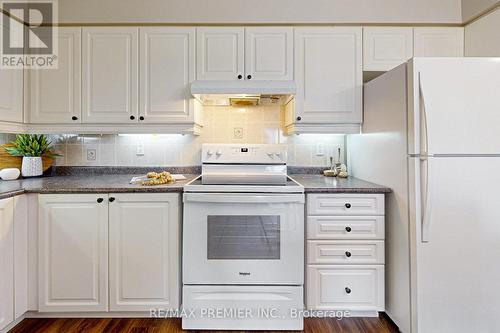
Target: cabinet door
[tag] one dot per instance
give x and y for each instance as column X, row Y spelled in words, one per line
column 11, row 82
column 110, row 75
column 167, row 70
column 144, row 252
column 56, row 93
column 386, row 48
column 269, row 53
column 6, row 262
column 20, row 255
column 73, row 253
column 439, row 42
column 219, row 53
column 329, row 75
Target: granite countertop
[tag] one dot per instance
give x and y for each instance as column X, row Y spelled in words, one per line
column 119, row 183
column 322, row 184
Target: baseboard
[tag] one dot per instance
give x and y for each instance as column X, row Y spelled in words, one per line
column 13, row 324
column 132, row 314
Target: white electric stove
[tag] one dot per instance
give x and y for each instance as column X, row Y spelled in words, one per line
column 243, row 241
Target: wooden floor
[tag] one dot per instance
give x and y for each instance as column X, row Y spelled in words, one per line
column 348, row 325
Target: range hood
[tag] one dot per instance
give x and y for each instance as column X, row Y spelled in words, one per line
column 243, row 93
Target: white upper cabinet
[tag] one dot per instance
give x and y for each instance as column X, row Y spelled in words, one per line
column 439, row 42
column 73, row 253
column 110, row 75
column 386, row 47
column 167, row 69
column 56, row 94
column 144, row 251
column 269, row 53
column 220, row 53
column 328, row 72
column 6, row 262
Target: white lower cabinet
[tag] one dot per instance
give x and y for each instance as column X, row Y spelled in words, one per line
column 345, row 253
column 73, row 252
column 6, row 262
column 144, row 252
column 121, row 245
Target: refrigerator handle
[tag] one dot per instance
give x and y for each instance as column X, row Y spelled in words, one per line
column 424, row 139
column 426, row 200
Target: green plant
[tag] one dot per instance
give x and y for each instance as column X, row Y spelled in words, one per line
column 31, row 145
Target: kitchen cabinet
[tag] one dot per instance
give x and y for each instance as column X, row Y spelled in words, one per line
column 6, row 262
column 386, row 47
column 55, row 95
column 110, row 75
column 73, row 252
column 167, row 69
column 220, row 53
column 254, row 53
column 11, row 83
column 144, row 251
column 269, row 53
column 21, row 217
column 134, row 237
column 329, row 77
column 439, row 42
column 345, row 253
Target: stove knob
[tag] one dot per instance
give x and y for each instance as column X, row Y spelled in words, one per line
column 210, row 153
column 278, row 154
column 270, row 154
column 218, row 153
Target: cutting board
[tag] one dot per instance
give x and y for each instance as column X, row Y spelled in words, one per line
column 9, row 161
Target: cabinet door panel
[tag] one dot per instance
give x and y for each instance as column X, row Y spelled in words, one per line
column 6, row 262
column 56, row 93
column 439, row 42
column 329, row 75
column 73, row 248
column 144, row 252
column 110, row 75
column 219, row 53
column 386, row 48
column 167, row 69
column 269, row 53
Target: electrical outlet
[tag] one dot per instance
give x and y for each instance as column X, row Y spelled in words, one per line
column 91, row 154
column 140, row 150
column 320, row 149
column 238, row 133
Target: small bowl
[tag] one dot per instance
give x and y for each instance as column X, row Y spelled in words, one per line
column 330, row 173
column 10, row 174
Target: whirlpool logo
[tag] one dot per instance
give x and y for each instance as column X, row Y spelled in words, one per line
column 29, row 34
column 244, row 273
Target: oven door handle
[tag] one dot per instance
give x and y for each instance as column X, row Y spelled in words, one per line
column 243, row 198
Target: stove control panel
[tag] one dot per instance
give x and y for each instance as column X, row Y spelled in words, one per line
column 245, row 154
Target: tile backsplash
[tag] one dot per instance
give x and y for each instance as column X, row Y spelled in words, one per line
column 221, row 125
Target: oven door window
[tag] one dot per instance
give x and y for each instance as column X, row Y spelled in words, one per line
column 243, row 237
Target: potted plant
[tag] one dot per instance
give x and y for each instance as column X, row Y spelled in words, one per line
column 31, row 147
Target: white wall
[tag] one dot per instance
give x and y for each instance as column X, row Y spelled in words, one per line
column 473, row 8
column 482, row 37
column 260, row 11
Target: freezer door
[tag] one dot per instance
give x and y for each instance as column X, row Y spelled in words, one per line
column 455, row 239
column 454, row 106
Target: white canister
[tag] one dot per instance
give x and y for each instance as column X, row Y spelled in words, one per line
column 32, row 166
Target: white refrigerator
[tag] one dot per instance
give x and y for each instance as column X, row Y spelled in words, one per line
column 431, row 132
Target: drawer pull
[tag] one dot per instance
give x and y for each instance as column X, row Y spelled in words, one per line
column 347, row 205
column 348, row 254
column 348, row 229
column 100, row 200
column 111, row 199
column 348, row 290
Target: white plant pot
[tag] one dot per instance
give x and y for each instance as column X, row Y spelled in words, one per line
column 32, row 166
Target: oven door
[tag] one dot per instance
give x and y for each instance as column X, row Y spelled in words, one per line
column 237, row 238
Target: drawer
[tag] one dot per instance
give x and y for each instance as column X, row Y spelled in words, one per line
column 345, row 204
column 345, row 227
column 343, row 287
column 345, row 252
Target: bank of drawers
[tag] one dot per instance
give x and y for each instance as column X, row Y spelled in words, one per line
column 345, row 252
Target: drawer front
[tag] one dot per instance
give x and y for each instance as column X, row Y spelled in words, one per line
column 345, row 252
column 345, row 227
column 345, row 204
column 342, row 287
